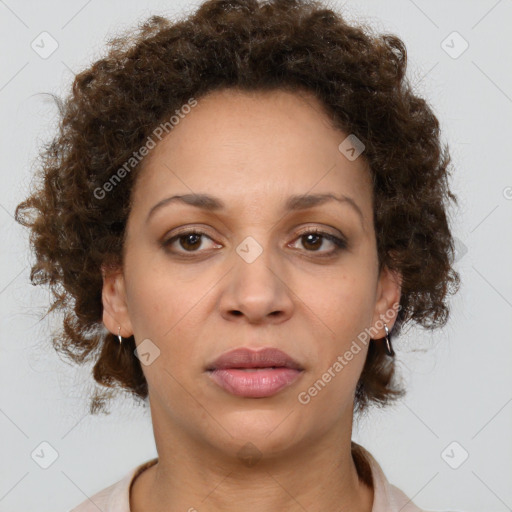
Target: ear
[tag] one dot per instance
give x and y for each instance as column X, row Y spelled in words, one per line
column 389, row 289
column 113, row 296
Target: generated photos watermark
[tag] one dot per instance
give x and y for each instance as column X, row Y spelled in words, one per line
column 157, row 135
column 363, row 338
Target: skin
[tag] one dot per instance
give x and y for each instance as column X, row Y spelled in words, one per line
column 252, row 150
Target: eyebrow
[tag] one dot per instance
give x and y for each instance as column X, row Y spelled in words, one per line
column 293, row 203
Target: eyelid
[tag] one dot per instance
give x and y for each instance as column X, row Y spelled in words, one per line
column 322, row 230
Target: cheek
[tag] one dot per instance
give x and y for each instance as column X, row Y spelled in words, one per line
column 347, row 305
column 345, row 312
column 156, row 300
column 340, row 362
column 167, row 310
column 152, row 307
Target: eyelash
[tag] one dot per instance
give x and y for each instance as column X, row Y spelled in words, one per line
column 339, row 243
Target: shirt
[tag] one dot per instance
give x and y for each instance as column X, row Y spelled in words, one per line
column 387, row 497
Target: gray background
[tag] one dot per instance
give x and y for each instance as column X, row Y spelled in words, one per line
column 459, row 378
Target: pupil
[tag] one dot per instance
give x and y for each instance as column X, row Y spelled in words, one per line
column 309, row 236
column 194, row 237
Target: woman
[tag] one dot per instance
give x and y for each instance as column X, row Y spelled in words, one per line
column 252, row 201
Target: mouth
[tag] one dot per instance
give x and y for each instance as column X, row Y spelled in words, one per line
column 245, row 358
column 254, row 374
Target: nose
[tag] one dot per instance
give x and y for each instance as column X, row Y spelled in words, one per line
column 257, row 288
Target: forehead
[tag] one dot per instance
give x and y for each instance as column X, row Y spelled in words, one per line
column 251, row 148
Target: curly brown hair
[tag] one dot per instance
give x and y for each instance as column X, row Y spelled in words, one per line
column 150, row 73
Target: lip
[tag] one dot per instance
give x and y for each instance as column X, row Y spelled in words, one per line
column 247, row 358
column 254, row 374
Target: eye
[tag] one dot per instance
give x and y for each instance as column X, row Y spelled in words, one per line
column 314, row 238
column 189, row 240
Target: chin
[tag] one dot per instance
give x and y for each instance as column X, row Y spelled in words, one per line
column 270, row 430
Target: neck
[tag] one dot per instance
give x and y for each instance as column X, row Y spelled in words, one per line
column 313, row 478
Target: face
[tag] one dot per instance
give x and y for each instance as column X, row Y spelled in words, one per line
column 252, row 272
